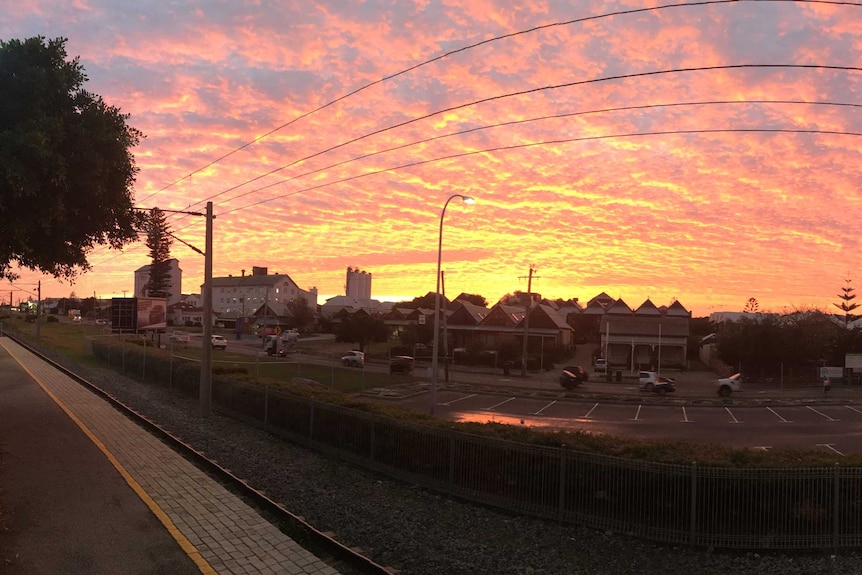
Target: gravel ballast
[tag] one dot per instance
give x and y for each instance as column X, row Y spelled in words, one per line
column 418, row 532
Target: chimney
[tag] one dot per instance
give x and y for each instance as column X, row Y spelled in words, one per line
column 243, row 273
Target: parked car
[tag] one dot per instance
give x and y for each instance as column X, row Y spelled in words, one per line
column 180, row 337
column 726, row 385
column 401, row 364
column 354, row 359
column 650, row 381
column 219, row 342
column 572, row 376
column 601, row 365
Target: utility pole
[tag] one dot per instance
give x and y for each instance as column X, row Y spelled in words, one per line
column 206, row 345
column 527, row 319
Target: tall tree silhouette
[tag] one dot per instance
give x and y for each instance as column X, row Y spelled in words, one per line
column 847, row 304
column 159, row 243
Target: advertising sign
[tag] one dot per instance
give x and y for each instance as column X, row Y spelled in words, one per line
column 152, row 313
column 853, row 361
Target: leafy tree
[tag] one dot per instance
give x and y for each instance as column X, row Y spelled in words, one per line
column 847, row 304
column 474, row 299
column 751, row 306
column 300, row 315
column 159, row 243
column 426, row 301
column 67, row 168
column 361, row 329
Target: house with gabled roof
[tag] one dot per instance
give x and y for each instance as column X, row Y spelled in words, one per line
column 646, row 338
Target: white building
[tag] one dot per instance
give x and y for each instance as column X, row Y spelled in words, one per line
column 358, row 284
column 240, row 296
column 142, row 282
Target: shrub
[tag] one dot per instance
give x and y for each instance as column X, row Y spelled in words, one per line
column 52, row 319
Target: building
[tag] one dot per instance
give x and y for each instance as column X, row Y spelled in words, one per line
column 358, row 284
column 142, row 282
column 647, row 338
column 241, row 296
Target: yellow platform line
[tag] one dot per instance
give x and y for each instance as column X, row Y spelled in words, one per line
column 184, row 543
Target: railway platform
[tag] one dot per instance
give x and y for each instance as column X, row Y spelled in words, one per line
column 84, row 489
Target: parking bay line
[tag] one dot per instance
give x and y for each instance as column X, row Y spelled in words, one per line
column 546, row 407
column 829, row 445
column 638, row 414
column 727, row 409
column 459, row 399
column 852, row 408
column 821, row 413
column 684, row 416
column 499, row 404
column 587, row 416
column 778, row 416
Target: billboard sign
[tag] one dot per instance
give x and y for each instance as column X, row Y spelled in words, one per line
column 152, row 313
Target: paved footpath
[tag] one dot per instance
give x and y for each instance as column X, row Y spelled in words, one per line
column 83, row 489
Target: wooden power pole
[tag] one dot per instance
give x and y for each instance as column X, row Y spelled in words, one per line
column 527, row 319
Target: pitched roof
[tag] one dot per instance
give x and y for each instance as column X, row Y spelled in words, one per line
column 619, row 307
column 647, row 308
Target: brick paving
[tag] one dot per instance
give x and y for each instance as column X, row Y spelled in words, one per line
column 215, row 528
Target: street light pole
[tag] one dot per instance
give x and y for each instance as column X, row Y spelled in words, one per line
column 434, row 362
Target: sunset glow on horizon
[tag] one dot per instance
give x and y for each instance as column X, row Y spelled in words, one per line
column 703, row 153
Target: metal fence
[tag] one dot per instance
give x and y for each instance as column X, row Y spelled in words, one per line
column 752, row 508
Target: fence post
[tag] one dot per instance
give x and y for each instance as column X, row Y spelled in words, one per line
column 836, row 507
column 693, row 526
column 371, row 440
column 266, row 405
column 562, row 481
column 452, row 456
column 311, row 420
column 123, row 347
column 171, row 365
column 144, row 362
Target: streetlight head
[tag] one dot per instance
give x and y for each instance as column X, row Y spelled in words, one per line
column 469, row 200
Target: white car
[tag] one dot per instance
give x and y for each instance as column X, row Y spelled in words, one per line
column 219, row 342
column 354, row 359
column 726, row 385
column 601, row 365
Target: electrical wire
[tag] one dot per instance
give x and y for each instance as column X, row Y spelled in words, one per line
column 481, row 43
column 545, row 143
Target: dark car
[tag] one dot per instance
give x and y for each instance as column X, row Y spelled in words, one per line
column 572, row 376
column 401, row 364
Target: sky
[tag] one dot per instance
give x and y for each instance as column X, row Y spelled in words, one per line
column 706, row 153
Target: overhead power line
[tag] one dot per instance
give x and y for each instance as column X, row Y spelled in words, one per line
column 545, row 143
column 475, row 45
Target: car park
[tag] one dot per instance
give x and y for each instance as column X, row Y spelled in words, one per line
column 572, row 376
column 219, row 342
column 401, row 364
column 354, row 359
column 727, row 385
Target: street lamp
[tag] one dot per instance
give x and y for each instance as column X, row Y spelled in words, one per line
column 467, row 200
